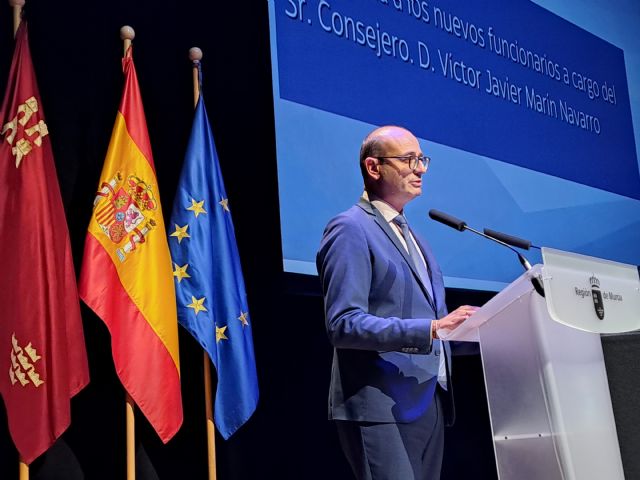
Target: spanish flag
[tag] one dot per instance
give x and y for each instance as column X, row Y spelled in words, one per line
column 126, row 273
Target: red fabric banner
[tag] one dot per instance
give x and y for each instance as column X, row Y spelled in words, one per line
column 43, row 361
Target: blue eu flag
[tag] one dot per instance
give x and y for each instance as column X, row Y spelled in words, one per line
column 212, row 303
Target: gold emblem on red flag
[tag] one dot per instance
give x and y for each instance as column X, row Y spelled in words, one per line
column 23, row 361
column 27, row 136
column 122, row 209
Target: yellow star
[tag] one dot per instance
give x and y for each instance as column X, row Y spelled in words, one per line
column 181, row 232
column 197, row 305
column 181, row 272
column 197, row 207
column 225, row 204
column 220, row 334
column 244, row 318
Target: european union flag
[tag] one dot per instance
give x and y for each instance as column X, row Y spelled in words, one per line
column 212, row 303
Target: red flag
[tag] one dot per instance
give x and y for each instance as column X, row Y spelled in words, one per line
column 43, row 361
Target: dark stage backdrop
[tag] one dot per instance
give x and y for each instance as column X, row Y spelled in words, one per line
column 76, row 51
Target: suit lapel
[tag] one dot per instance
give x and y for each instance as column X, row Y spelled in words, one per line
column 387, row 229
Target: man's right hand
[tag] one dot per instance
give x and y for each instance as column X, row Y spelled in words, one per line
column 453, row 320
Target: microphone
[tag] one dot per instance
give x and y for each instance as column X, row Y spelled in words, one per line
column 461, row 225
column 510, row 239
column 448, row 220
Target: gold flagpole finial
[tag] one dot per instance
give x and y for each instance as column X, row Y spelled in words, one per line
column 127, row 34
column 16, row 5
column 195, row 55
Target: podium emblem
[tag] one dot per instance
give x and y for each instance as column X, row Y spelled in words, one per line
column 596, row 295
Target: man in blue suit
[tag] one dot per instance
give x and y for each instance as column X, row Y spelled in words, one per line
column 384, row 303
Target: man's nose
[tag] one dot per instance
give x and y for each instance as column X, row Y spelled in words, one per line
column 420, row 169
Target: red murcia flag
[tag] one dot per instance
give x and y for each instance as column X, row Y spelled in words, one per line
column 43, row 361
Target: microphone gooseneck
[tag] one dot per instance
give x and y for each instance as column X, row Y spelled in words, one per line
column 461, row 225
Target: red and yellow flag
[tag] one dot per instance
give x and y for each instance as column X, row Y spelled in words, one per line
column 43, row 361
column 126, row 274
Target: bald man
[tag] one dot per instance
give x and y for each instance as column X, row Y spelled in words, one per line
column 384, row 302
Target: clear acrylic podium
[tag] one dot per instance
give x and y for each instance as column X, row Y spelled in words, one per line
column 547, row 389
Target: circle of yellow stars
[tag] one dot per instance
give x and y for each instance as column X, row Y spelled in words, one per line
column 180, row 272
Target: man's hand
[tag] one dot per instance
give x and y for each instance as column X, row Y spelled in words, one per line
column 453, row 320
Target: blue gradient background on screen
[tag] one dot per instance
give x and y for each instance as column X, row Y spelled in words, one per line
column 318, row 173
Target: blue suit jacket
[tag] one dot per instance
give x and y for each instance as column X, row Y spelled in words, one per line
column 378, row 318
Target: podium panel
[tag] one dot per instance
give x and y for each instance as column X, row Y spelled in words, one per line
column 577, row 392
column 520, row 424
column 547, row 389
column 548, row 394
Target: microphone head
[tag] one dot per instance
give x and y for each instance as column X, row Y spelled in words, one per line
column 447, row 219
column 510, row 239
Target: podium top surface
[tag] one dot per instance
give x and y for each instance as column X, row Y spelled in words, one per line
column 520, row 287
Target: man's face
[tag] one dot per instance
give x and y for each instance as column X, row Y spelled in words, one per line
column 398, row 183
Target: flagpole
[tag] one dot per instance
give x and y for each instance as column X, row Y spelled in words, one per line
column 16, row 5
column 195, row 55
column 131, row 438
column 211, row 431
column 24, row 471
column 17, row 13
column 127, row 34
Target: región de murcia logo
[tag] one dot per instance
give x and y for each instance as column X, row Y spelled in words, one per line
column 596, row 295
column 122, row 209
column 19, row 136
column 23, row 369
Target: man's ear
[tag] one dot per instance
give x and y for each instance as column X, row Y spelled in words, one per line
column 372, row 165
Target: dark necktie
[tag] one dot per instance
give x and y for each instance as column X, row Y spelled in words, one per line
column 419, row 265
column 421, row 268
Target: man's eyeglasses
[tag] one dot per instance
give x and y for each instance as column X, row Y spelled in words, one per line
column 411, row 160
